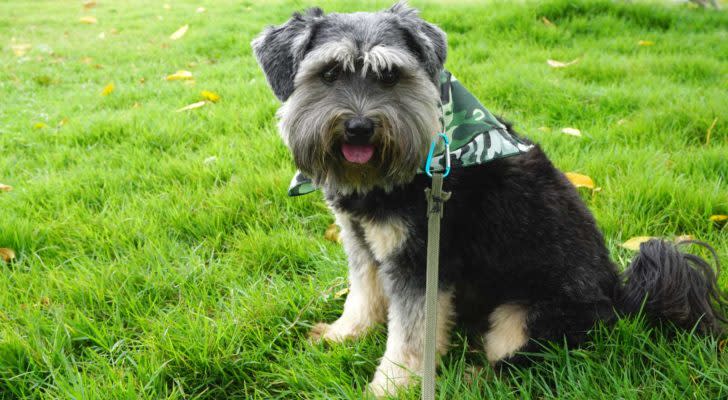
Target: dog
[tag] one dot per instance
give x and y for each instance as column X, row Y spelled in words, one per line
column 521, row 259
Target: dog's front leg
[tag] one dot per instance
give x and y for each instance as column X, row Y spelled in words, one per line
column 403, row 357
column 366, row 304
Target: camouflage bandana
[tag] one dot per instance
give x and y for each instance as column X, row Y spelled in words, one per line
column 476, row 136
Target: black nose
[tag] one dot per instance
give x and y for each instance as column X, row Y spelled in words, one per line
column 359, row 130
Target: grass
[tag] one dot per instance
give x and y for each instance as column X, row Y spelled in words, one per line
column 159, row 257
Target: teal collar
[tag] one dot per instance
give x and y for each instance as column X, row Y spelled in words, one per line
column 476, row 136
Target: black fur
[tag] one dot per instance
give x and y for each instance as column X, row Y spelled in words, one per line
column 516, row 231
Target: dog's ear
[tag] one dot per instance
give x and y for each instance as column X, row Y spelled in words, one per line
column 426, row 40
column 279, row 49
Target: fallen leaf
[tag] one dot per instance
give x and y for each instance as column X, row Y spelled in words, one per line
column 62, row 122
column 20, row 49
column 136, row 105
column 88, row 20
column 341, row 293
column 6, row 254
column 722, row 345
column 200, row 10
column 683, row 238
column 179, row 32
column 211, row 96
column 89, row 4
column 579, row 180
column 332, row 233
column 560, row 64
column 180, row 75
column 40, row 125
column 571, row 131
column 5, row 188
column 547, row 22
column 719, row 219
column 192, row 106
column 44, row 301
column 645, row 43
column 108, row 89
column 635, row 242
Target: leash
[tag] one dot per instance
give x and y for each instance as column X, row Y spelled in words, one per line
column 436, row 199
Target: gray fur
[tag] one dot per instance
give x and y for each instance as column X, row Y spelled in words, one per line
column 364, row 45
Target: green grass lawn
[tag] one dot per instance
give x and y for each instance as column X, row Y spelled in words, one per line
column 158, row 256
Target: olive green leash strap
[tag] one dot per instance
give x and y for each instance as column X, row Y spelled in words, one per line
column 436, row 199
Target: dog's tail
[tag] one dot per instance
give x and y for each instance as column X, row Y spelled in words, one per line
column 675, row 287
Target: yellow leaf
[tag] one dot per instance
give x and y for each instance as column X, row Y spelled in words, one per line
column 645, row 43
column 683, row 238
column 332, row 233
column 192, row 106
column 719, row 219
column 108, row 89
column 62, row 122
column 560, row 64
column 88, row 20
column 547, row 22
column 179, row 32
column 341, row 293
column 20, row 49
column 40, row 125
column 580, row 180
column 180, row 75
column 635, row 242
column 571, row 131
column 211, row 96
column 89, row 4
column 6, row 254
column 5, row 188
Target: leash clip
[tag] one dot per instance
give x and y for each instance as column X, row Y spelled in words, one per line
column 428, row 163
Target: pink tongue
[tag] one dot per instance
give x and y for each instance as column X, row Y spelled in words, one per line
column 358, row 154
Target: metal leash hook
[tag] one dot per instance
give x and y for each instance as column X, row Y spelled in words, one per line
column 436, row 199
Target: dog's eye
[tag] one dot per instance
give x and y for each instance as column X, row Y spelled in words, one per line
column 390, row 77
column 330, row 74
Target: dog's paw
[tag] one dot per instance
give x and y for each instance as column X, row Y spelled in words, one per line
column 318, row 332
column 387, row 384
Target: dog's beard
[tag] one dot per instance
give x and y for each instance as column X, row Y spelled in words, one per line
column 311, row 123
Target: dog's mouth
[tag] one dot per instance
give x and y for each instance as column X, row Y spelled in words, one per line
column 357, row 153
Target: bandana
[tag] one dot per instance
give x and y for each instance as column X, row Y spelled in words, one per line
column 476, row 136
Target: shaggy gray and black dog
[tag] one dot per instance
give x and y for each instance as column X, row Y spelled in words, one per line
column 522, row 260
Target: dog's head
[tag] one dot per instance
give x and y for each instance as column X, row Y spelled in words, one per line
column 360, row 93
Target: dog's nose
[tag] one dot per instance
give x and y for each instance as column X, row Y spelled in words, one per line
column 359, row 130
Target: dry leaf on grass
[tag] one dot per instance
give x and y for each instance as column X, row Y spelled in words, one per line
column 20, row 49
column 89, row 20
column 341, row 293
column 548, row 22
column 5, row 188
column 6, row 254
column 571, row 131
column 180, row 75
column 635, row 242
column 645, row 43
column 192, row 106
column 108, row 89
column 89, row 4
column 561, row 64
column 719, row 219
column 580, row 180
column 683, row 238
column 179, row 32
column 211, row 96
column 40, row 125
column 332, row 233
